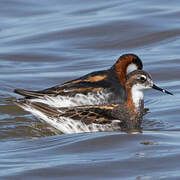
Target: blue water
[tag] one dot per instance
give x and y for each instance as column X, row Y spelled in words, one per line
column 44, row 43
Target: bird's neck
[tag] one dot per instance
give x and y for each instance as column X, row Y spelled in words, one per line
column 120, row 70
column 135, row 105
column 135, row 99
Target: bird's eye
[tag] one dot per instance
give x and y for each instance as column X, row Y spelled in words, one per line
column 143, row 79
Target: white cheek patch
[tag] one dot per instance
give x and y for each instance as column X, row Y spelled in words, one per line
column 137, row 92
column 132, row 67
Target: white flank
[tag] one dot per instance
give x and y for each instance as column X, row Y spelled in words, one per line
column 78, row 100
column 137, row 92
column 68, row 126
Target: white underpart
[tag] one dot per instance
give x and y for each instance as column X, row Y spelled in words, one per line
column 137, row 92
column 78, row 100
column 68, row 125
column 132, row 67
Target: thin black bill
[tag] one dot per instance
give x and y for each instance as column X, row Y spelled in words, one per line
column 162, row 90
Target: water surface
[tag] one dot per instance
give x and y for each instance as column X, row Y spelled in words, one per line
column 44, row 43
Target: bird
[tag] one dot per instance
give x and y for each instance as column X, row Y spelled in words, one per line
column 124, row 116
column 95, row 88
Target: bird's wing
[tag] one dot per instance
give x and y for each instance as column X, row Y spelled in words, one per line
column 93, row 82
column 100, row 114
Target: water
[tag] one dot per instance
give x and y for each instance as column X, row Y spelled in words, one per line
column 44, row 43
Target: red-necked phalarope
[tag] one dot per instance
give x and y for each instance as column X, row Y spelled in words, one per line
column 111, row 117
column 96, row 88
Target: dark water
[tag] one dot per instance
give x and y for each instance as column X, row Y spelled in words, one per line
column 43, row 43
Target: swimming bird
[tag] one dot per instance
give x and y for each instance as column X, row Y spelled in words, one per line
column 100, row 87
column 111, row 117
